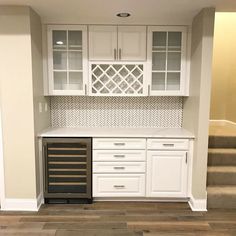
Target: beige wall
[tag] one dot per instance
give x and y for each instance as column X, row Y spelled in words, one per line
column 196, row 106
column 41, row 119
column 223, row 95
column 20, row 92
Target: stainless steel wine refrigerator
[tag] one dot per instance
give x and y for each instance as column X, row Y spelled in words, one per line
column 67, row 170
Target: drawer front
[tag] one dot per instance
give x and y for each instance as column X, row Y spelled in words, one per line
column 119, row 143
column 119, row 155
column 119, row 167
column 168, row 144
column 118, row 185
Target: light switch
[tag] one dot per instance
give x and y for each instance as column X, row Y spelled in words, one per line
column 40, row 107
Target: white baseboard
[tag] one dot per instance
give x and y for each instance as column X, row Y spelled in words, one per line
column 197, row 204
column 16, row 204
column 222, row 123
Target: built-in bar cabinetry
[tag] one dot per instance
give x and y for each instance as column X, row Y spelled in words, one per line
column 117, row 43
column 117, row 79
column 167, row 167
column 167, row 48
column 67, row 60
column 117, row 60
column 150, row 168
column 119, row 167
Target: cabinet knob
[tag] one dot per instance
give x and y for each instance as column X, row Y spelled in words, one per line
column 119, row 53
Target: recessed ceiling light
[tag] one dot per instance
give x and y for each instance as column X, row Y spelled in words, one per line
column 123, row 14
column 59, row 43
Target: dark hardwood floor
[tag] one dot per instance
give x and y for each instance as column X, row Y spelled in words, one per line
column 119, row 218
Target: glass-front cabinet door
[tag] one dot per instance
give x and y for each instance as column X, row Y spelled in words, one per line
column 167, row 60
column 67, row 60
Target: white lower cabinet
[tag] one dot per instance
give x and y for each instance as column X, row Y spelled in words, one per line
column 119, row 185
column 151, row 168
column 167, row 174
column 119, row 155
column 119, row 167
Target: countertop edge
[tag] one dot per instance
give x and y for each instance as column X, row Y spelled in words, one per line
column 177, row 133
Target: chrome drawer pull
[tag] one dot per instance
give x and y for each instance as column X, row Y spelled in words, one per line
column 168, row 144
column 119, row 156
column 119, row 167
column 119, row 186
column 119, row 144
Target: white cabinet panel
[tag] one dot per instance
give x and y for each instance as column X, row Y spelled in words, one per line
column 119, row 143
column 166, row 174
column 167, row 144
column 102, row 42
column 119, row 155
column 118, row 185
column 132, row 43
column 119, row 167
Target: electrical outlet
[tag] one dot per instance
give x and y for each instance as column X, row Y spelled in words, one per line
column 46, row 107
column 40, row 107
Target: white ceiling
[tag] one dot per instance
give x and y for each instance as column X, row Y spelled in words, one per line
column 173, row 12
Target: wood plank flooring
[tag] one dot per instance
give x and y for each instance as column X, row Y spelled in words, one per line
column 119, row 219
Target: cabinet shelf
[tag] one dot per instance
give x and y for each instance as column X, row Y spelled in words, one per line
column 165, row 51
column 66, row 176
column 67, row 169
column 67, row 50
column 65, row 183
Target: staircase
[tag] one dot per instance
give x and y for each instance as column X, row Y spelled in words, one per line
column 221, row 174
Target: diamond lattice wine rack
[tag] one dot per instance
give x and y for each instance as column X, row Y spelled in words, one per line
column 117, row 79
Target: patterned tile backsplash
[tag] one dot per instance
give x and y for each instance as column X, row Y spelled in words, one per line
column 84, row 111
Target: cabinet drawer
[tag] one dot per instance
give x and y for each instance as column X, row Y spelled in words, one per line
column 119, row 167
column 119, row 155
column 118, row 185
column 167, row 144
column 119, row 143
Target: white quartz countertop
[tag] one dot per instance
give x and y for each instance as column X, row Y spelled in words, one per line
column 117, row 132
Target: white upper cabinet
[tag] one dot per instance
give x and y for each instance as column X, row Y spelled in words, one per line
column 117, row 43
column 132, row 43
column 67, row 60
column 102, row 42
column 167, row 60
